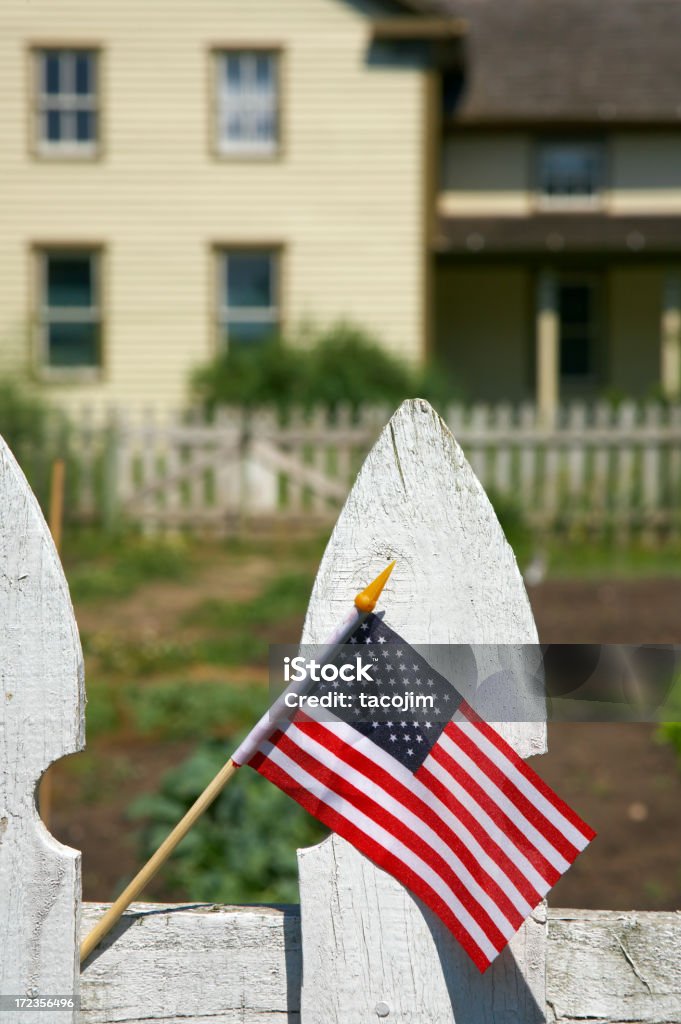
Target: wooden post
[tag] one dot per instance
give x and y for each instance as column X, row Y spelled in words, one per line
column 548, row 348
column 370, row 950
column 41, row 720
column 670, row 336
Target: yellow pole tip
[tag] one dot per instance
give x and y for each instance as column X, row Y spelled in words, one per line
column 367, row 599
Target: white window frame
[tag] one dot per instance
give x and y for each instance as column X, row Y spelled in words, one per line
column 579, row 201
column 252, row 103
column 48, row 315
column 67, row 102
column 247, row 314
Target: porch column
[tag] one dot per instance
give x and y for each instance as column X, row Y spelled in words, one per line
column 547, row 329
column 670, row 335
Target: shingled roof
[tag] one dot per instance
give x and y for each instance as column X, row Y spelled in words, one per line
column 570, row 60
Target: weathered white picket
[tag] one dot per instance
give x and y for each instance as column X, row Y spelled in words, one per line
column 360, row 948
column 599, row 467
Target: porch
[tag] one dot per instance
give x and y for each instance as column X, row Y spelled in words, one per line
column 515, row 320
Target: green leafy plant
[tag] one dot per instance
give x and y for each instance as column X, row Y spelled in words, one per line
column 343, row 364
column 243, row 849
column 36, row 435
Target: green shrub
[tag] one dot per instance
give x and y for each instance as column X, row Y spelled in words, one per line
column 243, row 849
column 34, row 432
column 23, row 417
column 343, row 364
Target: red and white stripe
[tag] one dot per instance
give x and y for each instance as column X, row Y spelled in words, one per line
column 474, row 833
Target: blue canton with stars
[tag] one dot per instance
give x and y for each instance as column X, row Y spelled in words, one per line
column 397, row 669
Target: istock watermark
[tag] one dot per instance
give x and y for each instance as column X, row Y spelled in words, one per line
column 373, row 683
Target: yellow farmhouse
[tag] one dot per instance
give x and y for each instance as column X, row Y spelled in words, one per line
column 495, row 183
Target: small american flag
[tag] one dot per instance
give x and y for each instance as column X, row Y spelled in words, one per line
column 439, row 800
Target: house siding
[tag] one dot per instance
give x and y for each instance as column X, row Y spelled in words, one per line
column 344, row 198
column 483, row 332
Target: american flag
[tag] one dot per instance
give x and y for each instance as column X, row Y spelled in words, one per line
column 435, row 797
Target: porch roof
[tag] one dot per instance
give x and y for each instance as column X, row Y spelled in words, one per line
column 557, row 233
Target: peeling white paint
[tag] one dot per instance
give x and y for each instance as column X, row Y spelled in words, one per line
column 41, row 720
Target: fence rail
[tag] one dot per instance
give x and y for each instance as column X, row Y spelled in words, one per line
column 600, row 467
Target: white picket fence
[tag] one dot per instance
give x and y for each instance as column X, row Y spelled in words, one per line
column 601, row 467
column 359, row 948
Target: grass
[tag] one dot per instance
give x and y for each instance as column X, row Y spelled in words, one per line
column 100, row 567
column 173, row 709
column 226, row 633
column 582, row 559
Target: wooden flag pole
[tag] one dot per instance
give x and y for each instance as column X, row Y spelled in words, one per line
column 56, row 514
column 145, row 875
column 365, row 602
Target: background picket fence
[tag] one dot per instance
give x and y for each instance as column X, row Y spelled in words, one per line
column 601, row 467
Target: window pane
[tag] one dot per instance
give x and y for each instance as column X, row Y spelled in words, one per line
column 51, row 73
column 69, row 281
column 575, row 304
column 73, row 344
column 84, row 84
column 571, row 169
column 55, row 130
column 576, row 309
column 235, row 126
column 252, row 332
column 233, row 67
column 248, row 102
column 85, row 126
column 249, row 280
column 264, row 70
column 575, row 356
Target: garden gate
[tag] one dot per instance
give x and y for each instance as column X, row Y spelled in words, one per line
column 359, row 948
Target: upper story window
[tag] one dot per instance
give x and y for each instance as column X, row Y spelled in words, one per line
column 66, row 102
column 248, row 308
column 247, row 103
column 69, row 312
column 571, row 173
